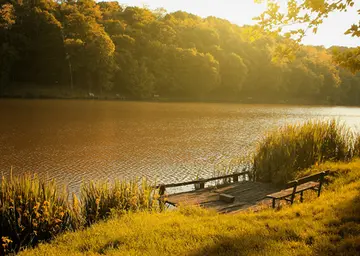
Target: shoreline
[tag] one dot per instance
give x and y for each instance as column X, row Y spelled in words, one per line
column 173, row 100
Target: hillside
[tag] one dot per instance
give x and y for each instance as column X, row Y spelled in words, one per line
column 329, row 225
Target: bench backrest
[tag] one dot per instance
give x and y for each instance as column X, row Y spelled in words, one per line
column 315, row 177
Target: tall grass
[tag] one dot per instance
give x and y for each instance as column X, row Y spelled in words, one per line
column 33, row 210
column 101, row 199
column 356, row 151
column 294, row 147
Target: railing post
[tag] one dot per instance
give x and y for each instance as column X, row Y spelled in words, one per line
column 200, row 184
column 235, row 177
column 162, row 189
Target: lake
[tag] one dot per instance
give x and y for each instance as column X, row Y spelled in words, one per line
column 74, row 141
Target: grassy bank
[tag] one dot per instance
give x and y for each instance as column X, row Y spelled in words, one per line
column 329, row 225
column 34, row 211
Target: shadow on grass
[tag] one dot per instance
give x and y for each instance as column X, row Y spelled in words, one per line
column 231, row 246
column 254, row 243
column 342, row 233
column 339, row 235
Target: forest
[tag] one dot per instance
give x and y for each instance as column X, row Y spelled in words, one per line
column 86, row 47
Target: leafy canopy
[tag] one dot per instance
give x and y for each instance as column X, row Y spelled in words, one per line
column 310, row 14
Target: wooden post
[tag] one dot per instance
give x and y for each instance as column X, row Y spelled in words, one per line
column 301, row 196
column 235, row 178
column 162, row 189
column 247, row 176
column 273, row 203
column 293, row 193
column 202, row 185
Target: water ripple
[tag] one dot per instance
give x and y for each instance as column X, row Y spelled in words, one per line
column 75, row 141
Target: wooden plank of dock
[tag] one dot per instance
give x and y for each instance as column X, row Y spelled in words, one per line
column 246, row 193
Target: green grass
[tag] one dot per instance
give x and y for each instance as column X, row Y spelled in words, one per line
column 329, row 225
column 282, row 153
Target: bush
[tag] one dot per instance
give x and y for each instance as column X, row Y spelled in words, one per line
column 294, row 147
column 31, row 211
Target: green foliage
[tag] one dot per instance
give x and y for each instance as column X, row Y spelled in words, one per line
column 308, row 15
column 140, row 82
column 329, row 225
column 283, row 153
column 91, row 47
column 347, row 58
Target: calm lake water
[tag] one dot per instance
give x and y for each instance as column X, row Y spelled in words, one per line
column 73, row 141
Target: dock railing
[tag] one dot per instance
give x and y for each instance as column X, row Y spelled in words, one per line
column 201, row 182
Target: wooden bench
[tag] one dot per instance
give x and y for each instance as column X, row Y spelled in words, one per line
column 313, row 182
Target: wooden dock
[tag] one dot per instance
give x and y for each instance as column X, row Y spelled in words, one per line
column 241, row 194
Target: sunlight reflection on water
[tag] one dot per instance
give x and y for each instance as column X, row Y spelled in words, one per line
column 73, row 141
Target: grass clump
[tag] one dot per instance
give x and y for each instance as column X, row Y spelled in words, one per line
column 329, row 225
column 32, row 211
column 356, row 151
column 294, row 147
column 101, row 199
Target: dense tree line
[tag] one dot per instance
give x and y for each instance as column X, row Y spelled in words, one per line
column 106, row 48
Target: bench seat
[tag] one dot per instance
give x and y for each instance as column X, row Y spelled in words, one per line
column 288, row 192
column 313, row 182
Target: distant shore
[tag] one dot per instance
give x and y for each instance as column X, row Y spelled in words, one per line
column 110, row 96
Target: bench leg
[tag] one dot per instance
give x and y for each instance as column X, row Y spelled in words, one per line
column 319, row 190
column 292, row 199
column 273, row 203
column 321, row 182
column 301, row 196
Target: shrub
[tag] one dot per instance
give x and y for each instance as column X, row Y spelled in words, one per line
column 31, row 211
column 294, row 147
